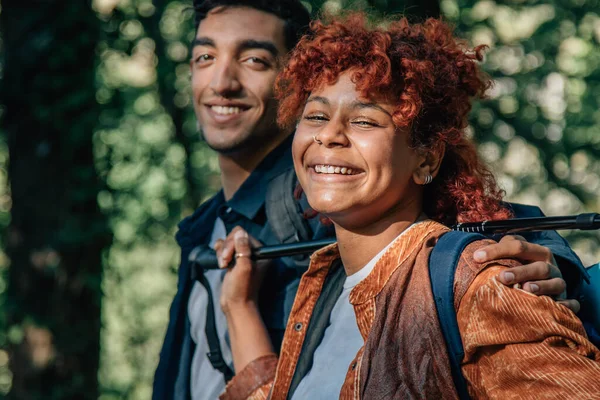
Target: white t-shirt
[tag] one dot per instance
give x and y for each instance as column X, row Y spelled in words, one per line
column 207, row 383
column 341, row 342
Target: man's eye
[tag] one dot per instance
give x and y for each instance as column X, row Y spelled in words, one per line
column 257, row 61
column 203, row 58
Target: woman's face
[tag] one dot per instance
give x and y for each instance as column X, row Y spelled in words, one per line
column 362, row 169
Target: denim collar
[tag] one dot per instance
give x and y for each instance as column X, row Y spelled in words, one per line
column 247, row 201
column 250, row 197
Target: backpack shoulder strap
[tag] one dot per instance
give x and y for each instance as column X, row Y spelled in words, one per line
column 443, row 262
column 285, row 216
column 214, row 355
column 283, row 211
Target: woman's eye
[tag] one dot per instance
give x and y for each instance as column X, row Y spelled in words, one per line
column 364, row 123
column 315, row 118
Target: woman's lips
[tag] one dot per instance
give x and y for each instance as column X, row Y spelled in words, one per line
column 333, row 169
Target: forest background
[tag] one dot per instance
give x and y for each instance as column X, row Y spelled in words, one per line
column 100, row 158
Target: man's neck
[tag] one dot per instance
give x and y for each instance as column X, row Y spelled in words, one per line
column 237, row 167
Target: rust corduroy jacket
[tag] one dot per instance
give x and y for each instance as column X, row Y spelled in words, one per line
column 517, row 345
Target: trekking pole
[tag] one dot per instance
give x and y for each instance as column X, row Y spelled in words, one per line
column 205, row 257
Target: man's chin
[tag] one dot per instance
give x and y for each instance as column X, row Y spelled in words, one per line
column 230, row 146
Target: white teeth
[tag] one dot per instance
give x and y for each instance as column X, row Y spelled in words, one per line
column 330, row 169
column 226, row 110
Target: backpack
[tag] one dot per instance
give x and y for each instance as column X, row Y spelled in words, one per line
column 590, row 305
column 443, row 262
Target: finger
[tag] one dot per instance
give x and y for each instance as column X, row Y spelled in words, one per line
column 242, row 244
column 551, row 287
column 227, row 251
column 243, row 251
column 513, row 247
column 513, row 237
column 218, row 247
column 536, row 271
column 571, row 304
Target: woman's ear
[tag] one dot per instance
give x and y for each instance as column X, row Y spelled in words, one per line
column 430, row 161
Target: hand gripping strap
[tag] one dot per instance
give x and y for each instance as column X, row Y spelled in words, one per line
column 443, row 262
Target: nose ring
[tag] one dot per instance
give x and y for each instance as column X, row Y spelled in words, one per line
column 317, row 141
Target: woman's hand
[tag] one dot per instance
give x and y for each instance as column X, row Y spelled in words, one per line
column 541, row 276
column 239, row 298
column 244, row 277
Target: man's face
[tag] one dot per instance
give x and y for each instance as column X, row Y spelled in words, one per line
column 234, row 65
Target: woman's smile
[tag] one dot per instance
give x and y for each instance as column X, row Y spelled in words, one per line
column 351, row 161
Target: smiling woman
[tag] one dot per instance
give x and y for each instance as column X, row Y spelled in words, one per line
column 380, row 150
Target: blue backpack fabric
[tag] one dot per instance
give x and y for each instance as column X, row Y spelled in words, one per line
column 443, row 262
column 449, row 248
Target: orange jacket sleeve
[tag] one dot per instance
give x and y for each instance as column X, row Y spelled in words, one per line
column 522, row 346
column 254, row 381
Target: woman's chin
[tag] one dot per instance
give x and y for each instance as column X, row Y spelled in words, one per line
column 328, row 205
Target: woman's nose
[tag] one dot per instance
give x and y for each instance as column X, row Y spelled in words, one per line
column 333, row 134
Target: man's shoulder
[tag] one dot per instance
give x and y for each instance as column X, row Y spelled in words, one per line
column 524, row 210
column 198, row 225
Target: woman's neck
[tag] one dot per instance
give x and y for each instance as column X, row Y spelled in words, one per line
column 358, row 246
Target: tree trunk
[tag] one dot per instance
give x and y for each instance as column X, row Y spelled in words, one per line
column 57, row 233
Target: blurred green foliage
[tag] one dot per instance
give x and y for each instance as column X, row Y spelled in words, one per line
column 540, row 131
column 540, row 128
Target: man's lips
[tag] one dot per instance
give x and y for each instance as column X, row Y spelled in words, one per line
column 226, row 113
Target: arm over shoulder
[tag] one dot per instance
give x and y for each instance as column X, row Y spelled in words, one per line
column 519, row 345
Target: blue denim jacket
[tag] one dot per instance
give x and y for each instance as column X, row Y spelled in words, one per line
column 247, row 209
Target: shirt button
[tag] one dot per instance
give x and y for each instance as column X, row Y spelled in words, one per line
column 228, row 210
column 298, row 326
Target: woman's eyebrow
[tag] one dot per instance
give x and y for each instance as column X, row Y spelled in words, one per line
column 362, row 104
column 318, row 99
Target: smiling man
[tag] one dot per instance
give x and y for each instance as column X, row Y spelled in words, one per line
column 236, row 55
column 238, row 51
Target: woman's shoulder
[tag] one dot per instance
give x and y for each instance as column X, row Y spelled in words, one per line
column 468, row 269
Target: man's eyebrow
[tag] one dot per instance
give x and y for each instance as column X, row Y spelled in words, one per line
column 259, row 44
column 361, row 104
column 245, row 45
column 203, row 41
column 318, row 99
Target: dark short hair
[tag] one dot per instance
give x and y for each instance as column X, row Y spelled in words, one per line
column 292, row 12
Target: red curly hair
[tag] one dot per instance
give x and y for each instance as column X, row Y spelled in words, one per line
column 429, row 74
